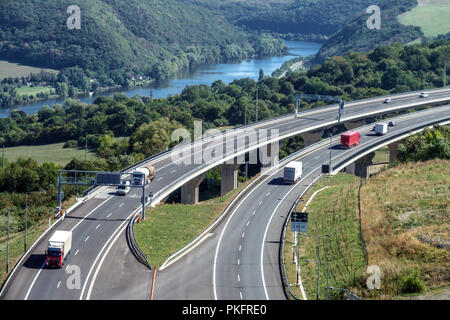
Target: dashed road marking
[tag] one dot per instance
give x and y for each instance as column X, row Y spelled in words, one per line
column 239, row 262
column 97, row 226
column 109, row 215
column 240, row 293
column 159, row 179
column 77, row 251
column 260, row 203
column 240, row 247
column 86, row 239
column 253, row 213
column 248, row 222
column 243, row 234
column 59, row 283
column 173, row 171
column 239, row 278
column 120, row 206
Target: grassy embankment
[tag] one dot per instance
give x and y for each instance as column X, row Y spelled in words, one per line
column 431, row 15
column 399, row 207
column 17, row 241
column 170, row 227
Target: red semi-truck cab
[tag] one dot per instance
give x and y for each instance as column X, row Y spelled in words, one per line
column 350, row 139
column 58, row 248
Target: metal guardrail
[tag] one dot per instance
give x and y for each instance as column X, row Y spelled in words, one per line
column 138, row 253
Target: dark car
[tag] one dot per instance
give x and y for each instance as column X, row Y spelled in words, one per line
column 391, row 124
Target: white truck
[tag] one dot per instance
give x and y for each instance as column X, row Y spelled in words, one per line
column 58, row 248
column 381, row 129
column 292, row 172
column 147, row 173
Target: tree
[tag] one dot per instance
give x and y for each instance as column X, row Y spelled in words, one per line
column 154, row 137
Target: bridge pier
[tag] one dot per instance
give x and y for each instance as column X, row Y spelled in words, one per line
column 359, row 168
column 190, row 190
column 393, row 151
column 229, row 175
column 269, row 157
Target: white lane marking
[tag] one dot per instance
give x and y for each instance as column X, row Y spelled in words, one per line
column 109, row 215
column 240, row 247
column 260, row 203
column 159, row 179
column 43, row 265
column 116, row 233
column 173, row 171
column 243, row 234
column 240, row 293
column 268, row 193
column 223, row 232
column 267, row 228
column 248, row 222
column 86, row 239
column 120, row 206
column 59, row 283
column 66, row 268
column 239, row 262
column 253, row 213
column 77, row 251
column 239, row 278
column 98, row 226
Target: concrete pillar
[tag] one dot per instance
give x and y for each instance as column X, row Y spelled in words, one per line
column 393, row 151
column 269, row 156
column 228, row 180
column 190, row 191
column 359, row 168
column 350, row 125
column 311, row 137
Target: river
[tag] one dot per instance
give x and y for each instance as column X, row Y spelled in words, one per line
column 207, row 74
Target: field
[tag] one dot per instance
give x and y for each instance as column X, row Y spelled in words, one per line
column 14, row 70
column 431, row 15
column 400, row 224
column 47, row 153
column 35, row 90
column 170, row 227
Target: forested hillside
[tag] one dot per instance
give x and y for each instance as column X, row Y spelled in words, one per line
column 356, row 36
column 119, row 38
column 322, row 17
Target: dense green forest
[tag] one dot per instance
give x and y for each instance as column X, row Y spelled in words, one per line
column 356, row 36
column 120, row 39
column 313, row 17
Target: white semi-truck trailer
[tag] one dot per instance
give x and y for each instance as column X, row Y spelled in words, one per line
column 292, row 172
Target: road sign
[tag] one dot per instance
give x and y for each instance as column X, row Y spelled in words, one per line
column 299, row 221
column 325, row 168
column 108, row 178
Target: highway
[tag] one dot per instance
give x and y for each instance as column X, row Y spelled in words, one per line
column 99, row 250
column 241, row 256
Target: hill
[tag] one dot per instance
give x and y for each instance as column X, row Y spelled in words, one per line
column 307, row 17
column 120, row 38
column 356, row 36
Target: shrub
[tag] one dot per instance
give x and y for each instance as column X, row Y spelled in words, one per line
column 70, row 144
column 412, row 283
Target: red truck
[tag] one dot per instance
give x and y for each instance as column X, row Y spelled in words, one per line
column 350, row 139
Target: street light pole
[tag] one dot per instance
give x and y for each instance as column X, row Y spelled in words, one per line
column 26, row 223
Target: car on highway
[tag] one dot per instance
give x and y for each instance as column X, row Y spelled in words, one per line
column 391, row 124
column 424, row 94
column 387, row 100
column 123, row 189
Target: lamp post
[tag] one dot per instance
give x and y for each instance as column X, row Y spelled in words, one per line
column 7, row 242
column 318, row 259
column 328, row 272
